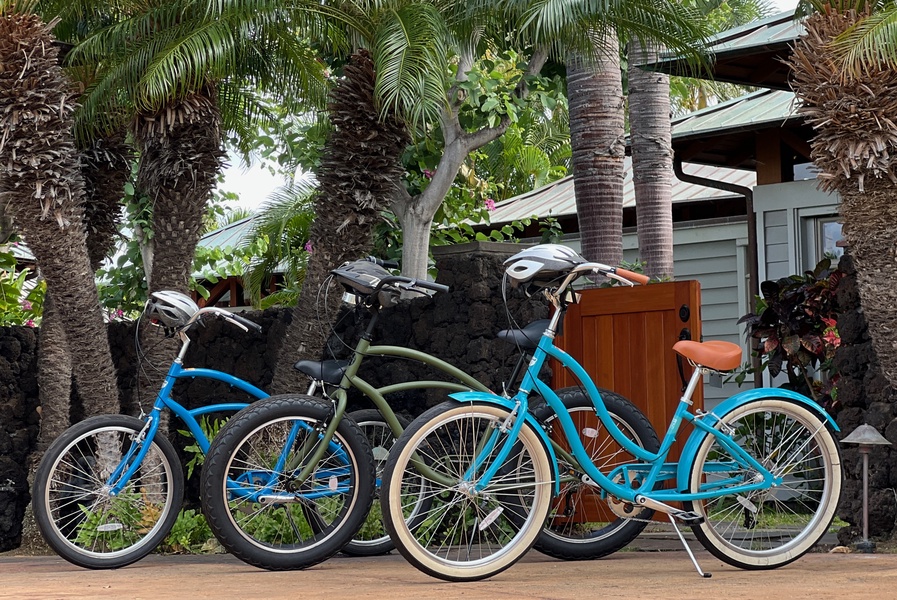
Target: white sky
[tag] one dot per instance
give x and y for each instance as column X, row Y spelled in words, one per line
column 254, row 184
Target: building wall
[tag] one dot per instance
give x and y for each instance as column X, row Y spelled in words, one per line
column 786, row 213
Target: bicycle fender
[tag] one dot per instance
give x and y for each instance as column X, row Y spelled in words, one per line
column 690, row 449
column 487, row 398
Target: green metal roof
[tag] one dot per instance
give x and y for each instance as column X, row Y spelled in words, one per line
column 229, row 236
column 751, row 54
column 559, row 199
column 751, row 111
column 775, row 30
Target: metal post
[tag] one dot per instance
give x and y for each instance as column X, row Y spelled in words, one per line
column 865, row 451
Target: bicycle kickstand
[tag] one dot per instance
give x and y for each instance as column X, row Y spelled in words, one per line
column 691, row 555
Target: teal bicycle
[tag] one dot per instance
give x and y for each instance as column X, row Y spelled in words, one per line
column 758, row 479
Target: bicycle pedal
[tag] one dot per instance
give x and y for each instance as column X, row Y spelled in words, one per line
column 689, row 518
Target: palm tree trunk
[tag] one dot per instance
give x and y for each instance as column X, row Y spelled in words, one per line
column 597, row 133
column 54, row 377
column 360, row 168
column 180, row 158
column 105, row 166
column 43, row 188
column 650, row 133
column 854, row 148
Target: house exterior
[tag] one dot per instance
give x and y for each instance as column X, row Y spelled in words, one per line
column 757, row 148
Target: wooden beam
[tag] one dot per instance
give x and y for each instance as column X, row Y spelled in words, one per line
column 769, row 157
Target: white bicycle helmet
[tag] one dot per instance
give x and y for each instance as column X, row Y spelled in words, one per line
column 171, row 309
column 541, row 265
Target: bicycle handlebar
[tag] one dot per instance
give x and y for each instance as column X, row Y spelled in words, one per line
column 620, row 274
column 235, row 319
column 410, row 284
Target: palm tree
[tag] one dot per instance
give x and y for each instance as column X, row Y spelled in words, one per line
column 359, row 171
column 597, row 139
column 185, row 74
column 43, row 189
column 181, row 75
column 650, row 135
column 843, row 73
column 282, row 228
column 589, row 33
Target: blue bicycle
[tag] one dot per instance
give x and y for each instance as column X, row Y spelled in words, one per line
column 109, row 489
column 758, row 479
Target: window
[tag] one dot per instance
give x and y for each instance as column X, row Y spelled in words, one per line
column 820, row 237
column 829, row 236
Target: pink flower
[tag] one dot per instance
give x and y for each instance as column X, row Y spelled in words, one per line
column 26, row 305
column 308, row 246
column 119, row 313
column 29, row 323
column 832, row 338
column 490, row 204
column 429, row 174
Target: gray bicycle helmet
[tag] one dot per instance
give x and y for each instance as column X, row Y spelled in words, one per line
column 171, row 309
column 540, row 265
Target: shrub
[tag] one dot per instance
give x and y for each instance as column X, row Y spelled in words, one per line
column 796, row 326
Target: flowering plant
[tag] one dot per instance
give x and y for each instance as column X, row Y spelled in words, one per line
column 797, row 330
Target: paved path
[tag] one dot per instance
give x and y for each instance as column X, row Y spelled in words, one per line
column 632, row 575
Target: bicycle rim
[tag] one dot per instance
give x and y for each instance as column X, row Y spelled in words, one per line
column 581, row 524
column 372, row 539
column 271, row 509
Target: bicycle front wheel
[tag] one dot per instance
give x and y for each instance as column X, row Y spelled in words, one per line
column 461, row 533
column 768, row 528
column 372, row 538
column 583, row 525
column 74, row 509
column 255, row 502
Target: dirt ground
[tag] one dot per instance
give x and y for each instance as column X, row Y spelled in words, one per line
column 636, row 574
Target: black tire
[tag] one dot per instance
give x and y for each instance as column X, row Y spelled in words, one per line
column 462, row 533
column 769, row 528
column 372, row 539
column 294, row 524
column 75, row 513
column 580, row 525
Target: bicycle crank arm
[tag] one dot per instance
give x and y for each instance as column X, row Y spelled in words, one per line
column 683, row 516
column 279, row 499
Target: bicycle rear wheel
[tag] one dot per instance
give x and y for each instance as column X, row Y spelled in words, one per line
column 259, row 509
column 372, row 538
column 582, row 525
column 463, row 534
column 72, row 505
column 768, row 528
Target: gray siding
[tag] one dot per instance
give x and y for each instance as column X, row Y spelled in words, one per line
column 778, row 251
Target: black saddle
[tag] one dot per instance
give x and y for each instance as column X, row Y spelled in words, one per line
column 329, row 371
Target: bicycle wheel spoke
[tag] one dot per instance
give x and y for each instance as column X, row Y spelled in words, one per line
column 769, row 527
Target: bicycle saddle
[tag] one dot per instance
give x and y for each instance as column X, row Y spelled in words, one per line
column 526, row 338
column 328, row 371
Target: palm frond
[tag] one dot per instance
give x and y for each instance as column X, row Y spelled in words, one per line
column 869, row 43
column 408, row 45
column 284, row 222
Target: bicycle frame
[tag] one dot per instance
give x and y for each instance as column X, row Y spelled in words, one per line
column 164, row 400
column 351, row 379
column 655, row 468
